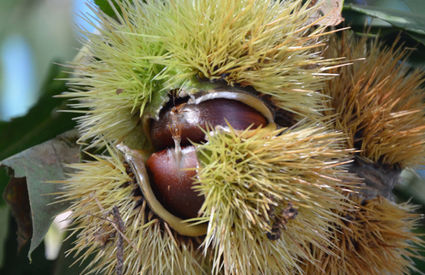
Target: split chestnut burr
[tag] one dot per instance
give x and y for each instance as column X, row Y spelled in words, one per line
column 173, row 168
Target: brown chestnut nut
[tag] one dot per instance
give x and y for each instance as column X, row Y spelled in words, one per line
column 172, row 176
column 186, row 121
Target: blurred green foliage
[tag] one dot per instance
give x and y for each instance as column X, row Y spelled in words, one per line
column 47, row 26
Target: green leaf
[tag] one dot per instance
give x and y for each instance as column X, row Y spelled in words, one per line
column 415, row 5
column 106, row 7
column 41, row 123
column 418, row 37
column 39, row 165
column 405, row 20
column 390, row 19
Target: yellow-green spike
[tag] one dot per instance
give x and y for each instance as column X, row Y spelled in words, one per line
column 101, row 189
column 156, row 48
column 270, row 196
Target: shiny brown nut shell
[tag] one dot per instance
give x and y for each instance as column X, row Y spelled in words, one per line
column 172, row 176
column 186, row 121
column 136, row 160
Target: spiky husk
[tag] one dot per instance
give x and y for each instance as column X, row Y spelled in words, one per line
column 267, row 173
column 376, row 239
column 131, row 64
column 378, row 102
column 148, row 245
column 253, row 181
column 379, row 105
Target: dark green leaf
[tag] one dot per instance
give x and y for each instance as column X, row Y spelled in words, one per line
column 41, row 123
column 4, row 226
column 415, row 5
column 106, row 7
column 409, row 21
column 405, row 9
column 40, row 164
column 359, row 14
column 418, row 37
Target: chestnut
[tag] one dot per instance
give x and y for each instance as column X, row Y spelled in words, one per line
column 166, row 177
column 173, row 169
column 171, row 176
column 189, row 120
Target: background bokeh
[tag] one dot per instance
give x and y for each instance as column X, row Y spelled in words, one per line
column 33, row 34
